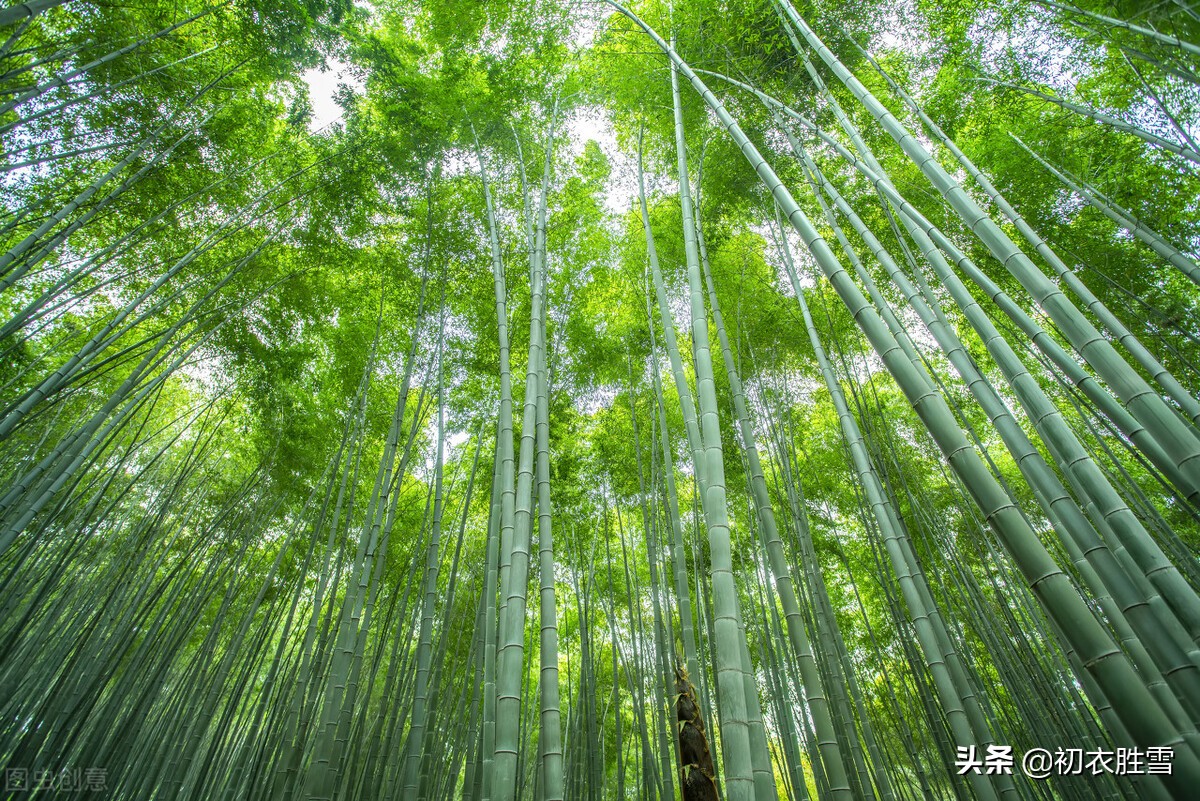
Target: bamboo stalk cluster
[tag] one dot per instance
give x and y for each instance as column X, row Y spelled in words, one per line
column 225, row 577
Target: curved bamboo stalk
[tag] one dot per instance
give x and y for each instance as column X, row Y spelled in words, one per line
column 1109, row 120
column 1145, row 404
column 1156, row 36
column 1121, row 217
column 1144, row 718
column 1160, row 374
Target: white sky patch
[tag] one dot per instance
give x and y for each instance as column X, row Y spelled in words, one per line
column 891, row 40
column 596, row 400
column 585, row 125
column 585, row 29
column 322, row 84
column 590, row 123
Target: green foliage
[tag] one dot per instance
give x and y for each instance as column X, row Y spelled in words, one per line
column 218, row 380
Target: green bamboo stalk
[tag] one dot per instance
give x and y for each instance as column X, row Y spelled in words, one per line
column 832, row 757
column 418, row 717
column 738, row 706
column 511, row 630
column 550, row 731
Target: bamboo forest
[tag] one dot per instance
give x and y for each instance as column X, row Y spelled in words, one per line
column 662, row 400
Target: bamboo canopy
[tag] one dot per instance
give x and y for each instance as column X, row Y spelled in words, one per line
column 762, row 400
